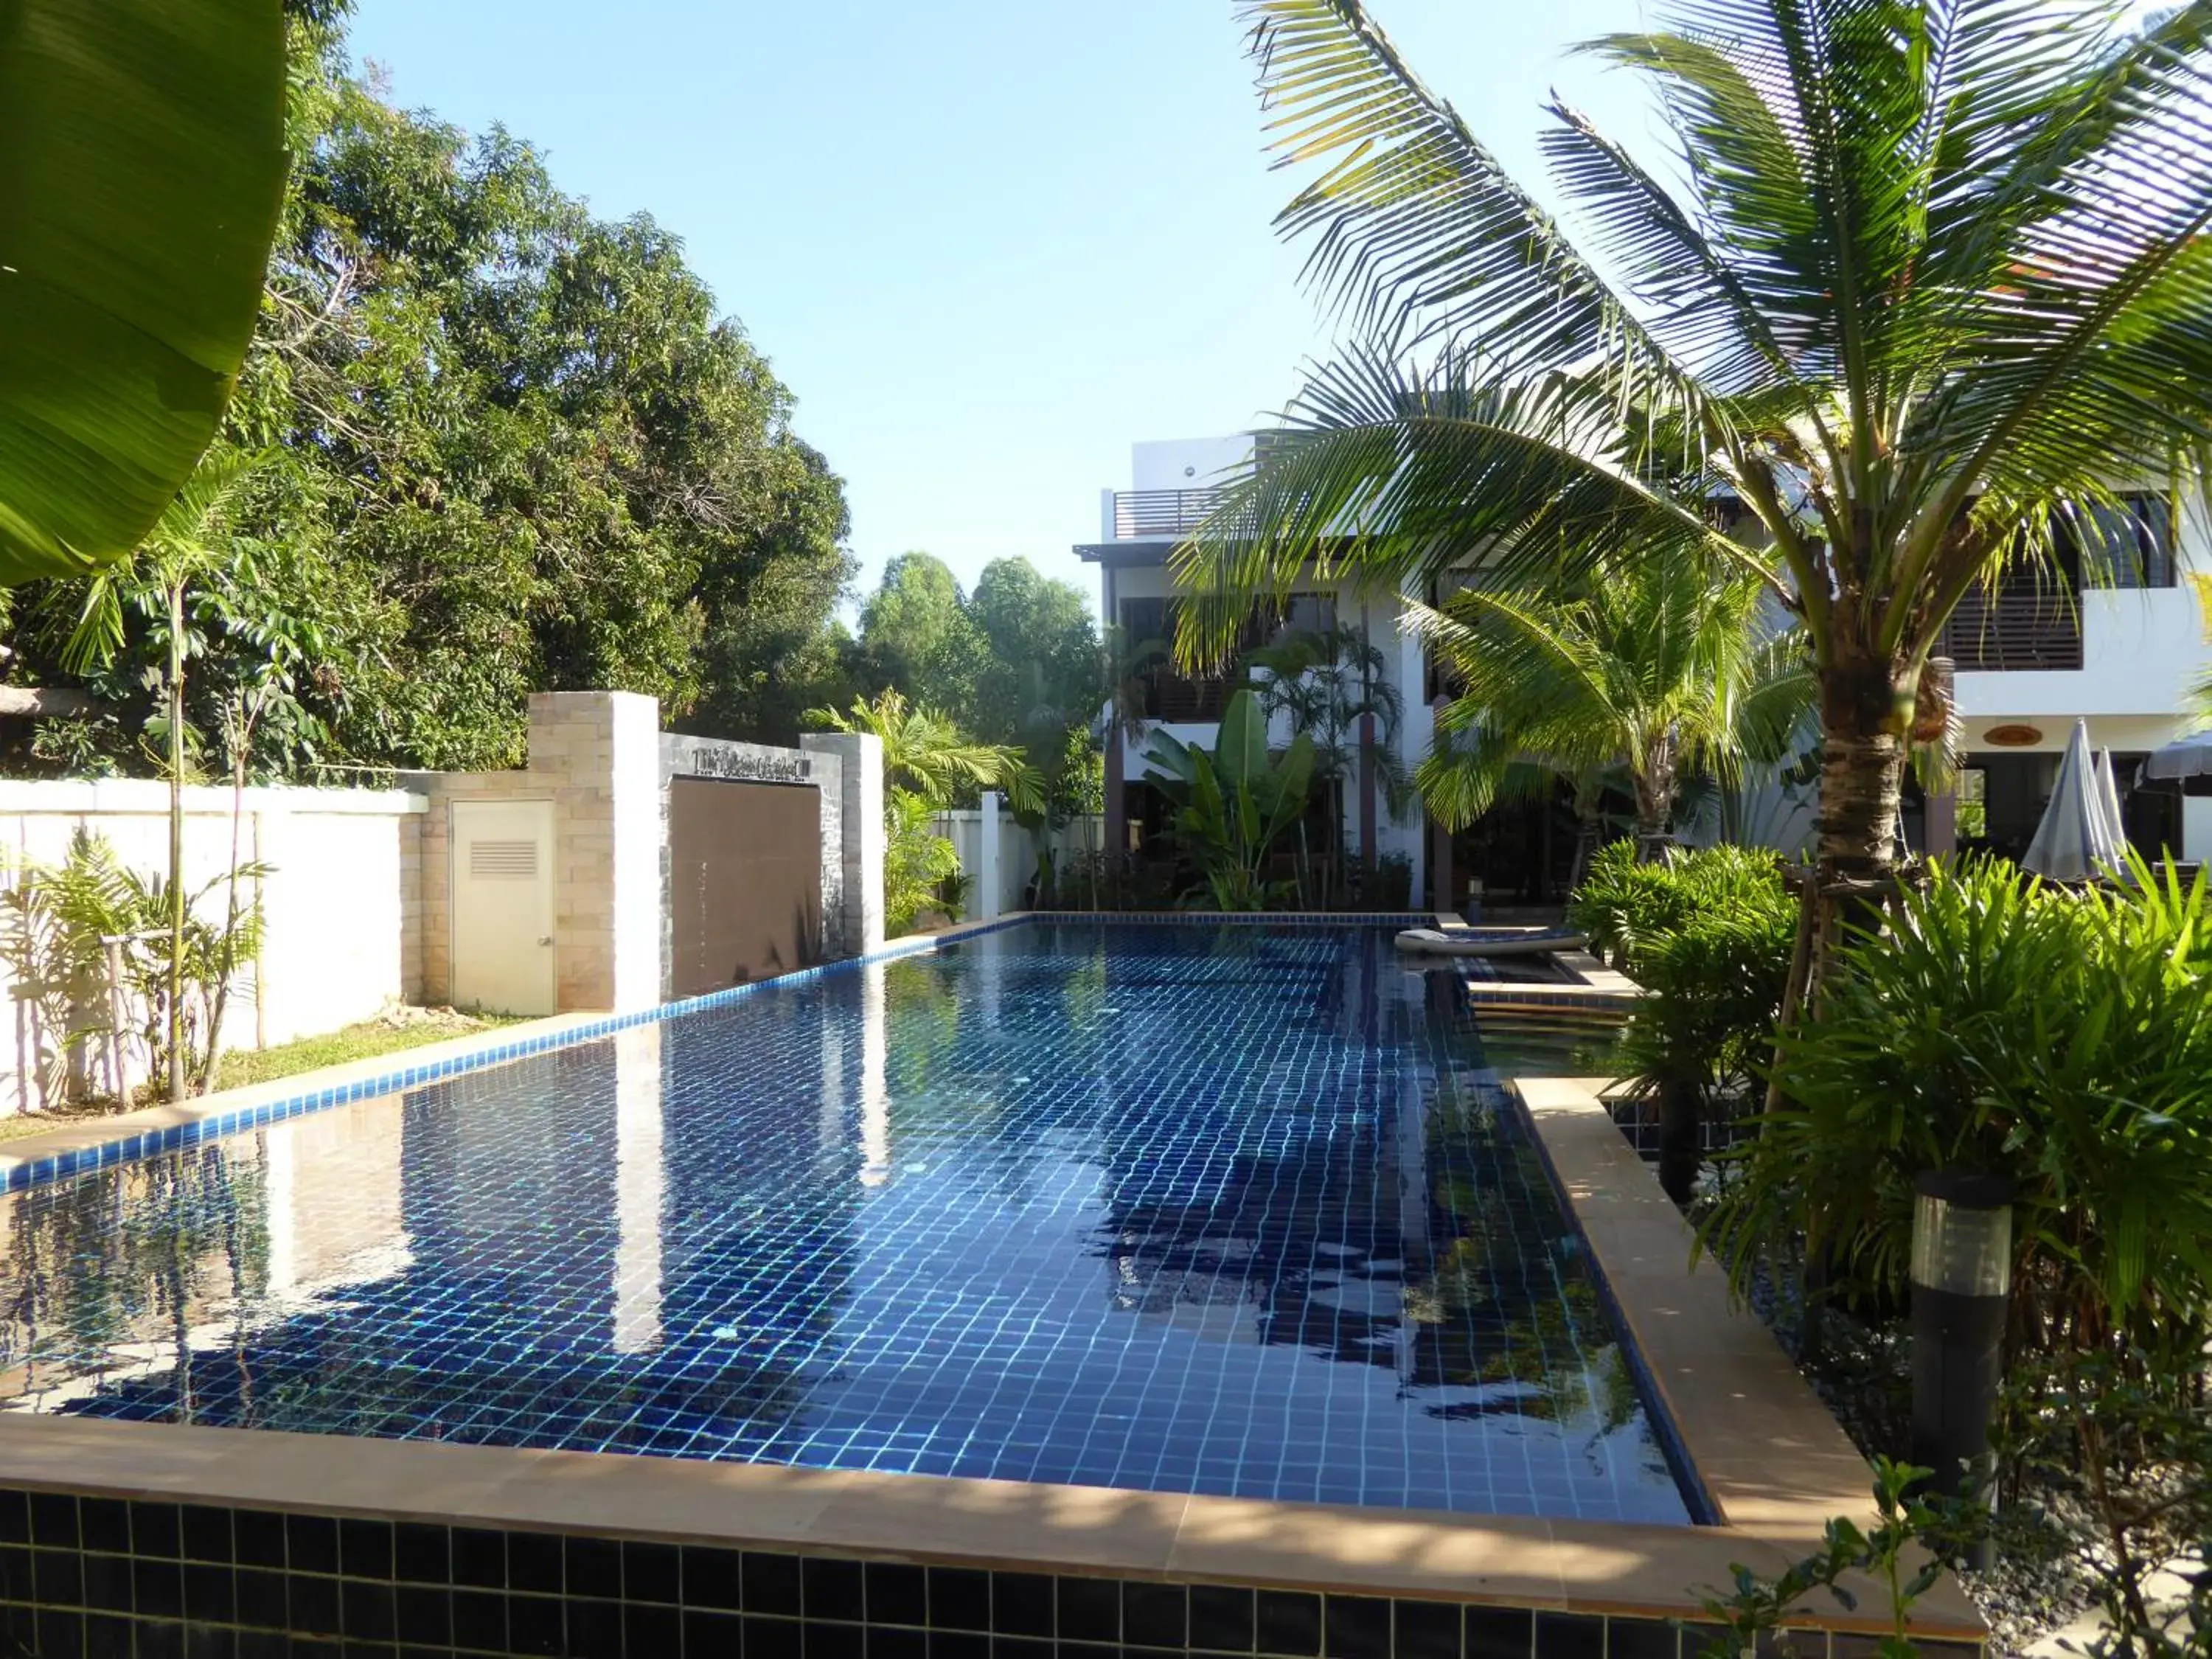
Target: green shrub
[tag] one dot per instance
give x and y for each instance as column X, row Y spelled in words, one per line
column 1709, row 935
column 2062, row 1040
column 1628, row 908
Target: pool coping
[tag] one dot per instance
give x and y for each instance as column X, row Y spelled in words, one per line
column 1773, row 1461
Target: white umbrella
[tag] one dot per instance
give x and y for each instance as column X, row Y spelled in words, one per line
column 2184, row 758
column 2108, row 798
column 2075, row 841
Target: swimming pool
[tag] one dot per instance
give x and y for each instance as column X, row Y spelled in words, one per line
column 1180, row 1208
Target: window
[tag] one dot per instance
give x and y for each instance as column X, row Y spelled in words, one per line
column 1170, row 695
column 2137, row 539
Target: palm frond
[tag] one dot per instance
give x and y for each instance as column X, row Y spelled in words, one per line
column 1412, row 216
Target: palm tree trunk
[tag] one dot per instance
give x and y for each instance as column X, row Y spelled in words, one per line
column 176, row 689
column 1866, row 708
column 1655, row 799
column 1586, row 832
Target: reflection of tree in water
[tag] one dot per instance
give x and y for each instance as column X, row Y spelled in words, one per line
column 497, row 1326
column 1461, row 1275
column 116, row 1268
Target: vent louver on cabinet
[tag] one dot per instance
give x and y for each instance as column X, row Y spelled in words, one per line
column 503, row 860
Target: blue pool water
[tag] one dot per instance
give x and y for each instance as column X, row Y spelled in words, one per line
column 1224, row 1210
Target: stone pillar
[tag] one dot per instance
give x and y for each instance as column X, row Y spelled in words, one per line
column 861, row 798
column 988, row 877
column 600, row 752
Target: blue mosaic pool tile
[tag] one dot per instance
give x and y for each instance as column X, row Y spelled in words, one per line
column 1232, row 1210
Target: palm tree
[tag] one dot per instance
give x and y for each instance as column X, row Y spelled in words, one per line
column 1661, row 671
column 194, row 535
column 1932, row 289
column 927, row 754
column 1332, row 685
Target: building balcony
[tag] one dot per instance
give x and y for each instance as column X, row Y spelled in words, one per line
column 1160, row 514
column 2015, row 632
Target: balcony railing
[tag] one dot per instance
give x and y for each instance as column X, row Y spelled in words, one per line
column 2010, row 632
column 1153, row 513
column 1169, row 696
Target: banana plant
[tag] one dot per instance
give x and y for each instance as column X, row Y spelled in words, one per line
column 1234, row 803
column 142, row 164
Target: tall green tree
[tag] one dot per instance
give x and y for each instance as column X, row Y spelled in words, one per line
column 523, row 451
column 1646, row 674
column 193, row 538
column 1926, row 284
column 1045, row 672
column 918, row 638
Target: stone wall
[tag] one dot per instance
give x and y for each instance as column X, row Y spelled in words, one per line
column 683, row 756
column 600, row 758
column 862, row 788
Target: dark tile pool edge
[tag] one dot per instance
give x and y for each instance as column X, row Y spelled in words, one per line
column 130, row 1142
column 96, row 1575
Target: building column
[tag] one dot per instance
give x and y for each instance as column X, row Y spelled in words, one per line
column 1940, row 823
column 1440, row 867
column 1117, row 797
column 599, row 753
column 2197, row 828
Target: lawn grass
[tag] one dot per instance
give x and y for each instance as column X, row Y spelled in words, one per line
column 247, row 1067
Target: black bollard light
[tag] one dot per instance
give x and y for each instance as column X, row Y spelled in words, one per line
column 1961, row 1276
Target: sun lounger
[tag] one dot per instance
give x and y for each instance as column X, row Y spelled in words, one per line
column 1489, row 941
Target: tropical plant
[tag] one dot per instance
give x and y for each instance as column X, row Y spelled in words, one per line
column 144, row 152
column 1709, row 935
column 927, row 762
column 1928, row 291
column 1333, row 686
column 65, row 932
column 193, row 537
column 2123, row 1439
column 917, row 860
column 1236, row 802
column 1646, row 673
column 1754, row 1612
column 52, row 922
column 927, row 755
column 1628, row 906
column 2055, row 1038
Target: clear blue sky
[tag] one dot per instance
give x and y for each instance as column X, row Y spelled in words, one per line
column 988, row 244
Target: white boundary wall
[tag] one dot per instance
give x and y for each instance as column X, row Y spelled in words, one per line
column 340, row 900
column 1018, row 851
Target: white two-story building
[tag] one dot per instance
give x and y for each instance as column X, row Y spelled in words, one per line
column 2031, row 659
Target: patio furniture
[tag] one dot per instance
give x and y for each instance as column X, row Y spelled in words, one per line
column 1489, row 942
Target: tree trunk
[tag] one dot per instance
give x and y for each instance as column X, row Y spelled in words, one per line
column 1865, row 709
column 1681, row 1118
column 176, row 691
column 1586, row 834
